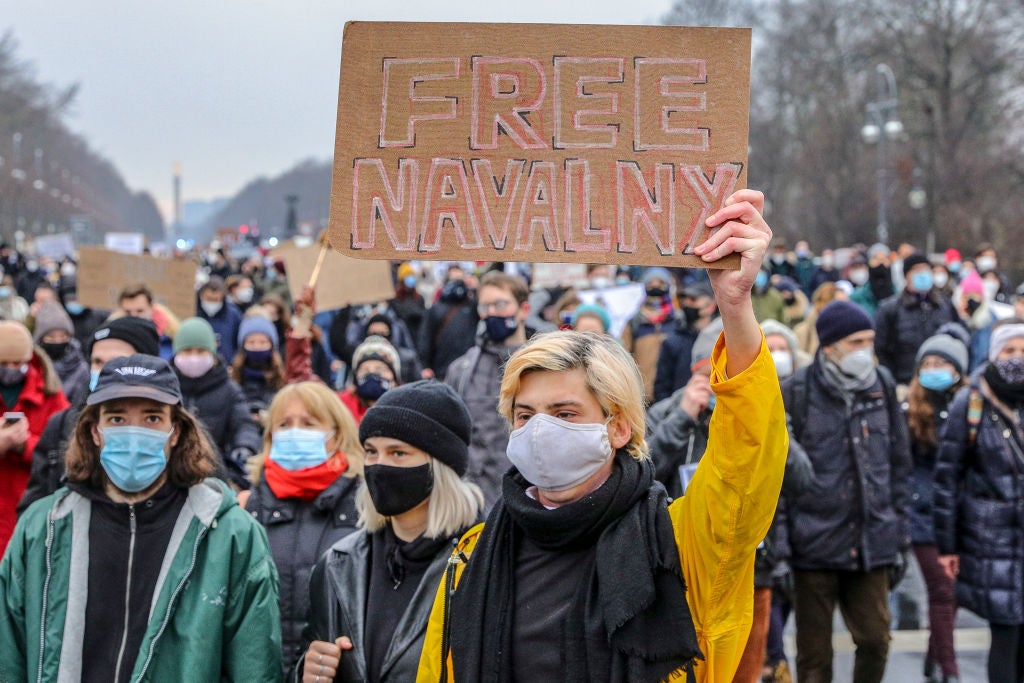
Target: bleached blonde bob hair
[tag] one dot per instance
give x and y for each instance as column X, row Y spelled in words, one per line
column 455, row 504
column 611, row 374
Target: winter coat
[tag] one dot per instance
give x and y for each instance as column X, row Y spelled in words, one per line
column 643, row 338
column 225, row 326
column 854, row 515
column 447, row 332
column 41, row 397
column 338, row 587
column 85, row 324
column 673, row 367
column 718, row 524
column 922, row 525
column 902, row 323
column 299, row 533
column 476, row 376
column 221, row 407
column 47, row 474
column 73, row 371
column 214, row 614
column 979, row 506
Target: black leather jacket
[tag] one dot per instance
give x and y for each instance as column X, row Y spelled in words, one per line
column 337, row 597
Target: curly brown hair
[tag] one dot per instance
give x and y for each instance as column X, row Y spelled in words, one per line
column 192, row 460
column 274, row 373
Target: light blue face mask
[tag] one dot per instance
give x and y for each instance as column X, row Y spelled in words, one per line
column 133, row 457
column 94, row 379
column 761, row 281
column 74, row 308
column 298, row 449
column 938, row 379
column 922, row 281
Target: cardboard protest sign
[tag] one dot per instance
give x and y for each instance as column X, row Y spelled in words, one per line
column 103, row 273
column 537, row 142
column 342, row 280
column 547, row 275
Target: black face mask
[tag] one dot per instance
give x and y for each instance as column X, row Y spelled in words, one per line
column 55, row 351
column 656, row 291
column 454, row 291
column 972, row 306
column 691, row 313
column 395, row 490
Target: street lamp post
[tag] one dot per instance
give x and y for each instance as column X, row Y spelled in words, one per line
column 883, row 125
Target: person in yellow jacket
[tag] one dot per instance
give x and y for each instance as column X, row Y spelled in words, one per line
column 584, row 570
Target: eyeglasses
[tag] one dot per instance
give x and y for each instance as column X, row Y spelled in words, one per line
column 499, row 307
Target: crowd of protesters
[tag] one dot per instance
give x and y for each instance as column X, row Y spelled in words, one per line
column 366, row 441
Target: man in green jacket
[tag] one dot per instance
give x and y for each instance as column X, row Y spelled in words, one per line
column 143, row 568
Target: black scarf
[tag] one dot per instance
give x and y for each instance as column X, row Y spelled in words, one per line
column 635, row 595
column 415, row 555
column 1010, row 394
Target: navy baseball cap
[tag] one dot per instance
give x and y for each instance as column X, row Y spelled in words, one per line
column 137, row 376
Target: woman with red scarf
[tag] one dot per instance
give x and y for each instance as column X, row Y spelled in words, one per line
column 305, row 494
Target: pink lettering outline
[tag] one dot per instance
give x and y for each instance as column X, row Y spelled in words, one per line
column 435, row 224
column 698, row 102
column 410, row 135
column 643, row 215
column 504, row 193
column 611, row 129
column 588, row 230
column 710, row 192
column 509, row 125
column 548, row 223
column 408, row 176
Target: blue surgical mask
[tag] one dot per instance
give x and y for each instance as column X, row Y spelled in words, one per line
column 5, row 292
column 922, row 281
column 74, row 308
column 133, row 457
column 409, row 281
column 298, row 449
column 938, row 379
column 499, row 329
column 94, row 378
column 761, row 281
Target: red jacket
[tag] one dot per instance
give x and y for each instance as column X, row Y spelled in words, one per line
column 354, row 405
column 38, row 405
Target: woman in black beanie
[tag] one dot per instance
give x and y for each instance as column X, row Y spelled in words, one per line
column 372, row 592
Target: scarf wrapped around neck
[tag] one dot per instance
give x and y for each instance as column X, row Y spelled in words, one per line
column 634, row 595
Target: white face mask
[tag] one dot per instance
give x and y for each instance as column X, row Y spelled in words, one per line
column 985, row 264
column 940, row 279
column 783, row 363
column 858, row 364
column 991, row 288
column 859, row 276
column 555, row 455
column 244, row 295
column 211, row 308
column 828, row 261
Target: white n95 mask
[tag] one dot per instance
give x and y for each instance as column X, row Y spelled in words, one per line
column 555, row 455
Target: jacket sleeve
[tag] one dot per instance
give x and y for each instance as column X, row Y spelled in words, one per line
column 665, row 375
column 298, row 363
column 671, row 442
column 799, row 471
column 242, row 429
column 901, row 467
column 885, row 333
column 252, row 619
column 729, row 508
column 950, row 466
column 13, row 635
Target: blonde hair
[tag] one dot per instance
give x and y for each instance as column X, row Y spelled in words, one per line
column 611, row 373
column 455, row 504
column 323, row 404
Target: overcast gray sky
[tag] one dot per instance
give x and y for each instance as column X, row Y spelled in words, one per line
column 233, row 89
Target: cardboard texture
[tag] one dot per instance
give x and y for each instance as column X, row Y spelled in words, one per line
column 342, row 281
column 537, row 142
column 103, row 273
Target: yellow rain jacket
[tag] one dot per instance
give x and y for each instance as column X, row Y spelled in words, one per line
column 718, row 524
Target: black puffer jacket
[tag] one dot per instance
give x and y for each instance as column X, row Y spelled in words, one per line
column 979, row 506
column 220, row 405
column 299, row 533
column 902, row 323
column 854, row 515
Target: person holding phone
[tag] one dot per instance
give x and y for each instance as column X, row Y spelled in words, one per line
column 371, row 594
column 30, row 392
